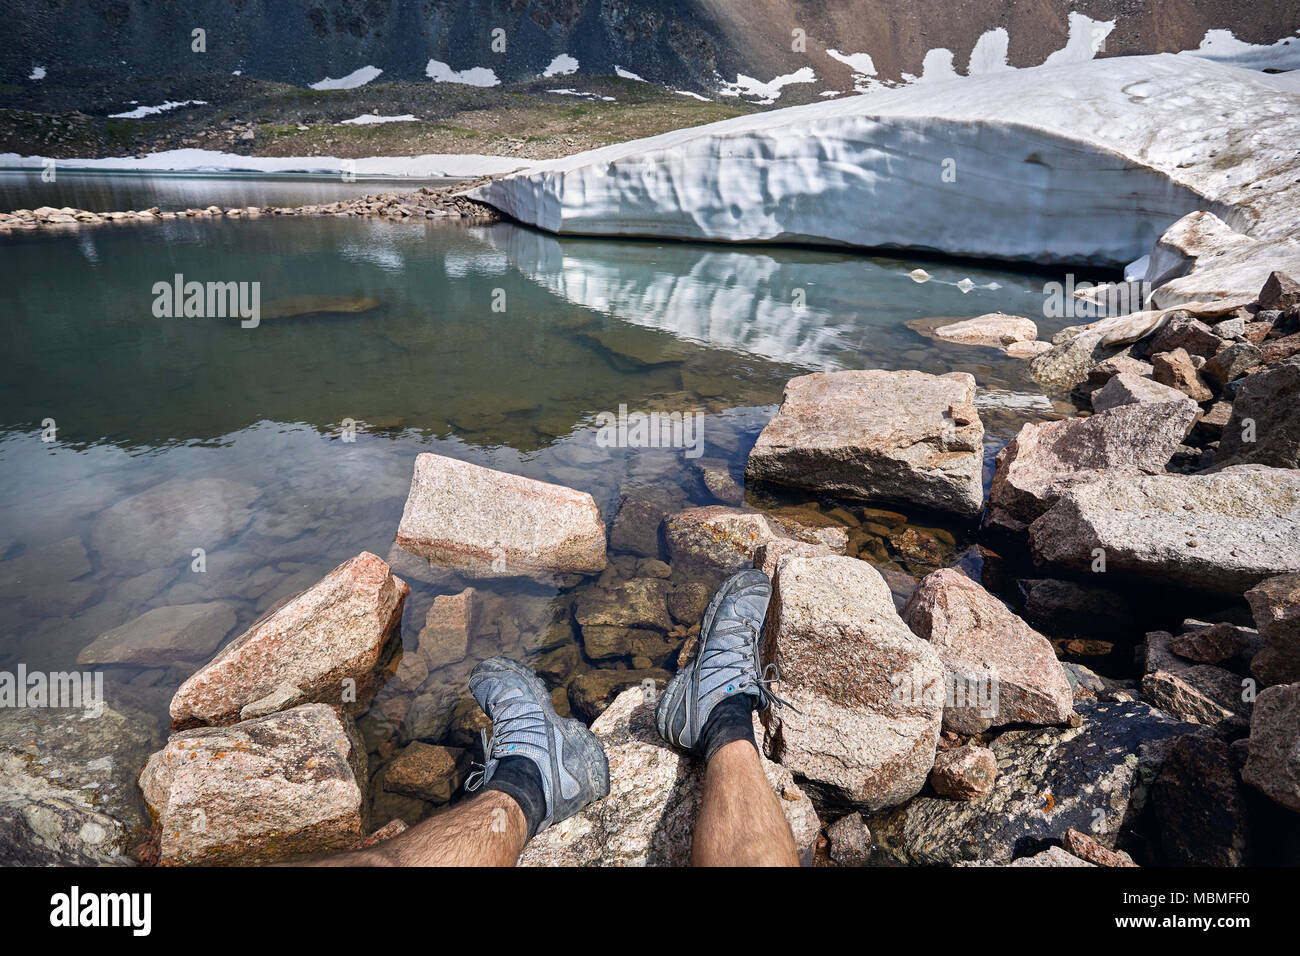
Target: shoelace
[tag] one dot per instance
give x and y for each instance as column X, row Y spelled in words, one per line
column 507, row 728
column 749, row 680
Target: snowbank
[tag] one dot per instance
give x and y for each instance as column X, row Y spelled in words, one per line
column 431, row 165
column 1085, row 163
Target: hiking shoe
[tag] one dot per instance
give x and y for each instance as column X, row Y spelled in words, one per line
column 572, row 763
column 726, row 662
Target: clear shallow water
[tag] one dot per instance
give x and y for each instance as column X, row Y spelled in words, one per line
column 118, row 192
column 588, row 325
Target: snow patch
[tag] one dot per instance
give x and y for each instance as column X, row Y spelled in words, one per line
column 584, row 95
column 142, row 111
column 863, row 67
column 1087, row 39
column 989, row 55
column 368, row 119
column 628, row 75
column 694, row 96
column 38, row 73
column 562, row 65
column 1222, row 47
column 440, row 72
column 350, row 82
column 770, row 91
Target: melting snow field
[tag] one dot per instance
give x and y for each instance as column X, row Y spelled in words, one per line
column 440, row 72
column 142, row 111
column 350, row 82
column 1089, row 162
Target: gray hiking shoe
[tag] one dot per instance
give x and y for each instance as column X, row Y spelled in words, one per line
column 726, row 661
column 573, row 766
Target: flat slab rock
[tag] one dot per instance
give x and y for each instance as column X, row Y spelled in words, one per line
column 491, row 524
column 866, row 693
column 1050, row 780
column 286, row 785
column 653, row 803
column 1223, row 531
column 895, row 437
column 330, row 643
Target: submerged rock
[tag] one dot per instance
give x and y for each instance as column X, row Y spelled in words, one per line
column 161, row 526
column 1223, row 532
column 653, row 803
column 998, row 670
column 490, row 524
column 331, row 641
column 995, row 329
column 868, row 692
column 425, row 771
column 716, row 540
column 894, row 437
column 278, row 787
column 448, row 624
column 164, row 636
column 1091, row 777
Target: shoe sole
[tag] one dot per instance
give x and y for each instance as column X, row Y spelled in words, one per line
column 576, row 735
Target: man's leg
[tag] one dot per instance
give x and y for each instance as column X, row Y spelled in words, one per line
column 708, row 710
column 740, row 822
column 487, row 830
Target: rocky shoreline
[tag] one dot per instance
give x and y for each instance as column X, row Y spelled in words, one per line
column 934, row 719
column 427, row 202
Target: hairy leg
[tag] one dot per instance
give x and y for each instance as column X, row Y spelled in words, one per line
column 487, row 830
column 740, row 822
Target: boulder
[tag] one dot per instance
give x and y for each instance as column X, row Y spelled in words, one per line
column 424, row 771
column 1275, row 605
column 278, row 787
column 1197, row 693
column 1066, row 609
column 850, row 841
column 866, row 693
column 715, row 475
column 591, row 692
column 1182, row 331
column 331, row 641
column 878, row 436
column 716, row 540
column 1231, row 364
column 1052, row 856
column 1049, row 780
column 1270, row 402
column 635, row 529
column 490, row 524
column 997, row 669
column 1223, row 532
column 1203, row 812
column 1280, row 292
column 1070, row 360
column 653, row 803
column 164, row 636
column 1273, row 763
column 964, row 773
column 1129, row 389
column 1177, row 370
column 1046, row 458
column 995, row 329
column 161, row 526
column 1089, row 850
column 67, row 785
column 638, row 603
column 688, row 601
column 1210, row 645
column 450, row 621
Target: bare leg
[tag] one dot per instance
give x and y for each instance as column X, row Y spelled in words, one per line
column 740, row 823
column 487, row 830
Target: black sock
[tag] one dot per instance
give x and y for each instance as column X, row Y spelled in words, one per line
column 519, row 779
column 732, row 719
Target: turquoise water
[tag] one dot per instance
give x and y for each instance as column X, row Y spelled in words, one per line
column 131, row 400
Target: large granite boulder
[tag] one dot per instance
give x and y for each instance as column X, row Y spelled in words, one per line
column 67, row 785
column 331, row 642
column 1203, row 812
column 718, row 540
column 1275, row 605
column 1273, row 764
column 1046, row 458
column 1222, row 532
column 1270, row 401
column 997, row 669
column 490, row 524
column 653, row 802
column 895, row 437
column 867, row 694
column 1050, row 779
column 286, row 785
